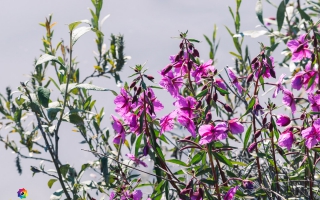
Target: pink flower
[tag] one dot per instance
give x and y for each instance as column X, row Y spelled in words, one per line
column 220, row 83
column 151, row 109
column 171, row 83
column 167, row 122
column 312, row 134
column 188, row 123
column 137, row 161
column 186, row 106
column 286, row 139
column 112, row 195
column 118, row 127
column 235, row 80
column 288, row 99
column 279, row 86
column 122, row 102
column 135, row 195
column 202, row 70
column 198, row 195
column 235, row 126
column 314, row 101
column 297, row 80
column 231, row 194
column 134, row 126
column 283, row 120
column 209, row 133
column 299, row 48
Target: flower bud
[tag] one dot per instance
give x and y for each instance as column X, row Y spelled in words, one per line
column 215, row 97
column 264, row 121
column 315, row 42
column 135, row 88
column 318, row 91
column 146, row 150
column 188, row 137
column 250, row 78
column 247, row 184
column 204, row 87
column 208, row 117
column 190, row 46
column 149, row 77
column 270, row 127
column 227, row 108
column 252, row 147
column 272, row 72
column 189, row 65
column 208, row 99
column 149, row 95
column 133, row 84
column 313, row 57
column 283, row 120
column 254, row 60
column 177, row 58
column 167, row 69
column 303, row 116
column 181, row 54
column 257, row 134
column 196, row 53
column 215, row 71
column 198, row 105
column 139, row 91
column 134, row 99
column 181, row 45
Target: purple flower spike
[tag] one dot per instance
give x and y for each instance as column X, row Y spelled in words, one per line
column 286, row 139
column 288, row 99
column 210, row 133
column 137, row 161
column 299, row 48
column 231, row 193
column 235, row 126
column 312, row 134
column 283, row 120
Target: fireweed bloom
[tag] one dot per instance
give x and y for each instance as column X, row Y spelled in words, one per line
column 288, row 99
column 283, row 120
column 279, row 86
column 230, row 195
column 171, row 83
column 122, row 102
column 137, row 161
column 235, row 126
column 314, row 100
column 157, row 105
column 135, row 195
column 302, row 78
column 312, row 134
column 186, row 106
column 210, row 133
column 299, row 48
column 235, row 80
column 167, row 122
column 202, row 70
column 118, row 127
column 188, row 123
column 286, row 139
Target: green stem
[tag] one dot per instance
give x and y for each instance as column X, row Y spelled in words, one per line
column 216, row 181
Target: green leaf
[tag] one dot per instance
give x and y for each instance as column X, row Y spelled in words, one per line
column 45, row 58
column 56, row 195
column 261, row 80
column 239, row 163
column 75, row 119
column 236, row 55
column 222, row 159
column 64, row 169
column 202, row 93
column 311, row 81
column 194, row 40
column 104, row 169
column 281, row 14
column 138, row 143
column 178, row 162
column 304, row 15
column 52, row 112
column 77, row 33
column 222, row 91
column 73, row 25
column 259, row 11
column 43, row 94
column 275, row 130
column 51, row 182
column 197, row 158
column 246, row 137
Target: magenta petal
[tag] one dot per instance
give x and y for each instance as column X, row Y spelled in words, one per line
column 293, row 45
column 137, row 195
column 205, row 129
column 286, row 139
column 205, row 139
column 230, row 195
column 236, row 127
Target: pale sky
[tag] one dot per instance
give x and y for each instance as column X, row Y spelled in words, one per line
column 147, row 27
